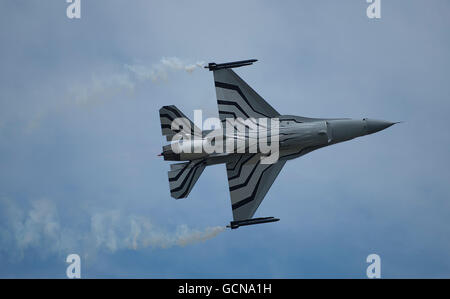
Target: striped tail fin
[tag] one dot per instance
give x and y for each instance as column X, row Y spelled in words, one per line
column 183, row 176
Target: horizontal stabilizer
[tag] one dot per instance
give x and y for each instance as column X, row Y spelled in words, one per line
column 173, row 121
column 183, row 176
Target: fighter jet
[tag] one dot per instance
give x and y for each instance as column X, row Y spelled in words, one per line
column 249, row 178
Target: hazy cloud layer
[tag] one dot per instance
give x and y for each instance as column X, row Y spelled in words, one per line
column 79, row 135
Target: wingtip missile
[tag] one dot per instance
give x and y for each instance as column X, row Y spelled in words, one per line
column 236, row 224
column 212, row 66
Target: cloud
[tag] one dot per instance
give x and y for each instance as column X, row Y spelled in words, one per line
column 39, row 227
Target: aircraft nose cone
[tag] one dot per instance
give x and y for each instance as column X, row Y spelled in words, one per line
column 374, row 125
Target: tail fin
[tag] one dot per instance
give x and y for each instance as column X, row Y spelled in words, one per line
column 183, row 176
column 173, row 121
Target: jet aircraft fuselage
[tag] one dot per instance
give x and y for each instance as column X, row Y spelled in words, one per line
column 297, row 136
column 249, row 173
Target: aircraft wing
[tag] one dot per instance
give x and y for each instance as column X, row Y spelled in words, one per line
column 236, row 98
column 249, row 181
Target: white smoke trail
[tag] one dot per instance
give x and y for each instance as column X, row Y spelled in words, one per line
column 113, row 231
column 101, row 87
column 160, row 71
column 176, row 64
column 188, row 236
column 111, row 84
column 39, row 228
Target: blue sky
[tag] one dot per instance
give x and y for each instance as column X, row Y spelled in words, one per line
column 79, row 134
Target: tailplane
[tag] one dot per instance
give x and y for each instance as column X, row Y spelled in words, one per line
column 173, row 121
column 183, row 176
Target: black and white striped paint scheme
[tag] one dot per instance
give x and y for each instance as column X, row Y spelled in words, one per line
column 249, row 179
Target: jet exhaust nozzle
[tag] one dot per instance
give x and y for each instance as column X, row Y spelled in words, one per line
column 236, row 224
